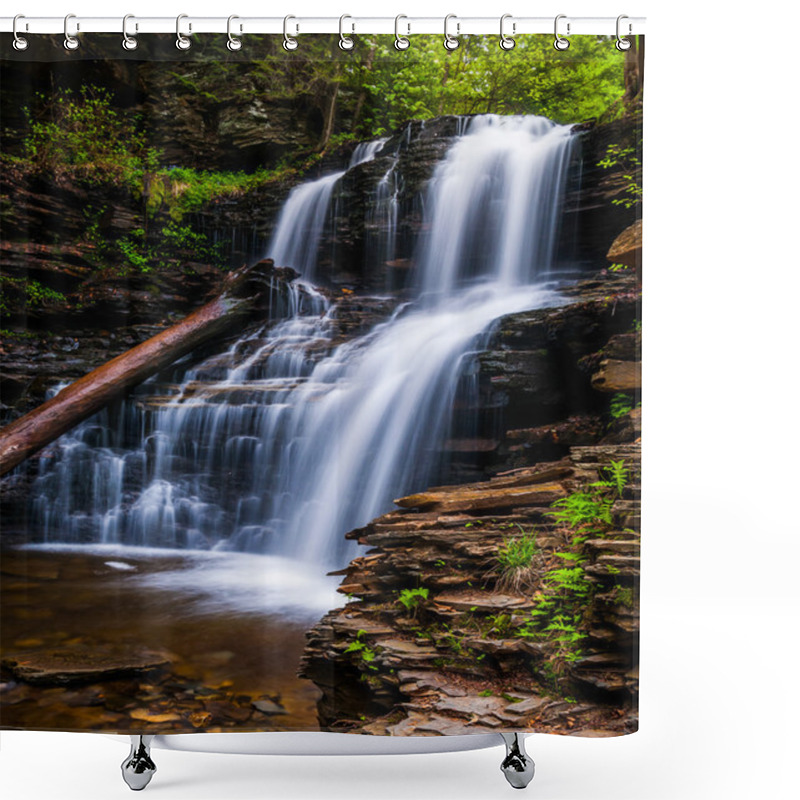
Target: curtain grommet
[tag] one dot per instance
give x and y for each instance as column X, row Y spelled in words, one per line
column 345, row 42
column 71, row 42
column 289, row 42
column 20, row 43
column 234, row 43
column 128, row 42
column 401, row 42
column 182, row 42
column 507, row 42
column 450, row 42
column 560, row 43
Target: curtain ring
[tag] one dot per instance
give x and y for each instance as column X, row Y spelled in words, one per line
column 450, row 42
column 289, row 43
column 506, row 42
column 400, row 42
column 129, row 42
column 234, row 42
column 345, row 42
column 182, row 42
column 20, row 42
column 560, row 42
column 622, row 44
column 70, row 42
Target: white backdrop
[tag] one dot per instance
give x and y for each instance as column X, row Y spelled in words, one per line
column 719, row 709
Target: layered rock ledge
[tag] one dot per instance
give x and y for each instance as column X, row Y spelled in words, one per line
column 441, row 633
column 464, row 659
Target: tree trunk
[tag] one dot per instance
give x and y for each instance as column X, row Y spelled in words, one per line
column 243, row 292
column 330, row 116
column 633, row 70
column 362, row 95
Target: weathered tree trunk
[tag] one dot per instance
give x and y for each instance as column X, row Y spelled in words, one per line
column 243, row 292
column 362, row 95
column 633, row 71
column 330, row 116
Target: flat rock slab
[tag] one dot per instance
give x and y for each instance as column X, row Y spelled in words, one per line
column 484, row 499
column 404, row 650
column 530, row 706
column 483, row 601
column 618, row 376
column 369, row 626
column 81, row 664
column 471, row 706
column 417, row 724
column 412, row 682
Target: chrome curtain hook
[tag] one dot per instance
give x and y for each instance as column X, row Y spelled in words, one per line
column 70, row 42
column 560, row 42
column 401, row 42
column 623, row 44
column 506, row 42
column 345, row 42
column 234, row 42
column 182, row 42
column 20, row 42
column 450, row 42
column 289, row 43
column 129, row 42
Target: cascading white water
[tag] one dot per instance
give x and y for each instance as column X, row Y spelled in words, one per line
column 366, row 151
column 381, row 222
column 494, row 202
column 301, row 223
column 284, row 443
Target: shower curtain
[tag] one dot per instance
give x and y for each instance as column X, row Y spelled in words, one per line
column 321, row 385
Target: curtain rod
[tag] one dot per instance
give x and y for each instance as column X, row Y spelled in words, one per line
column 407, row 25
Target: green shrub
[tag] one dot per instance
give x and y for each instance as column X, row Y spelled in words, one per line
column 19, row 294
column 85, row 135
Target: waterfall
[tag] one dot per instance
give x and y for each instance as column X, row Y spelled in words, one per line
column 381, row 221
column 366, row 151
column 288, row 440
column 494, row 202
column 301, row 222
column 298, row 231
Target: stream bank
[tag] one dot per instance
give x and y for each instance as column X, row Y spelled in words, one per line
column 439, row 636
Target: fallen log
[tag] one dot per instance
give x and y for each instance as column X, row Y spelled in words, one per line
column 243, row 292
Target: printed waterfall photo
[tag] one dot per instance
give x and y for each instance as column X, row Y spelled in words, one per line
column 321, row 386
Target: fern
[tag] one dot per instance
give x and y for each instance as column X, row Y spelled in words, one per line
column 585, row 507
column 411, row 599
column 618, row 475
column 570, row 579
column 621, row 404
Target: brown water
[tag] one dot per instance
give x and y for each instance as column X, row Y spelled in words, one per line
column 212, row 618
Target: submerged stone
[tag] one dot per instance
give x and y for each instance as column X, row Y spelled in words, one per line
column 82, row 664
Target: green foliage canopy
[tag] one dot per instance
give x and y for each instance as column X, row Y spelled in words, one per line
column 479, row 78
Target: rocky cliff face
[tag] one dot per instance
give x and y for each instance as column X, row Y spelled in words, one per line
column 596, row 203
column 499, row 604
column 104, row 306
column 199, row 108
column 409, row 158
